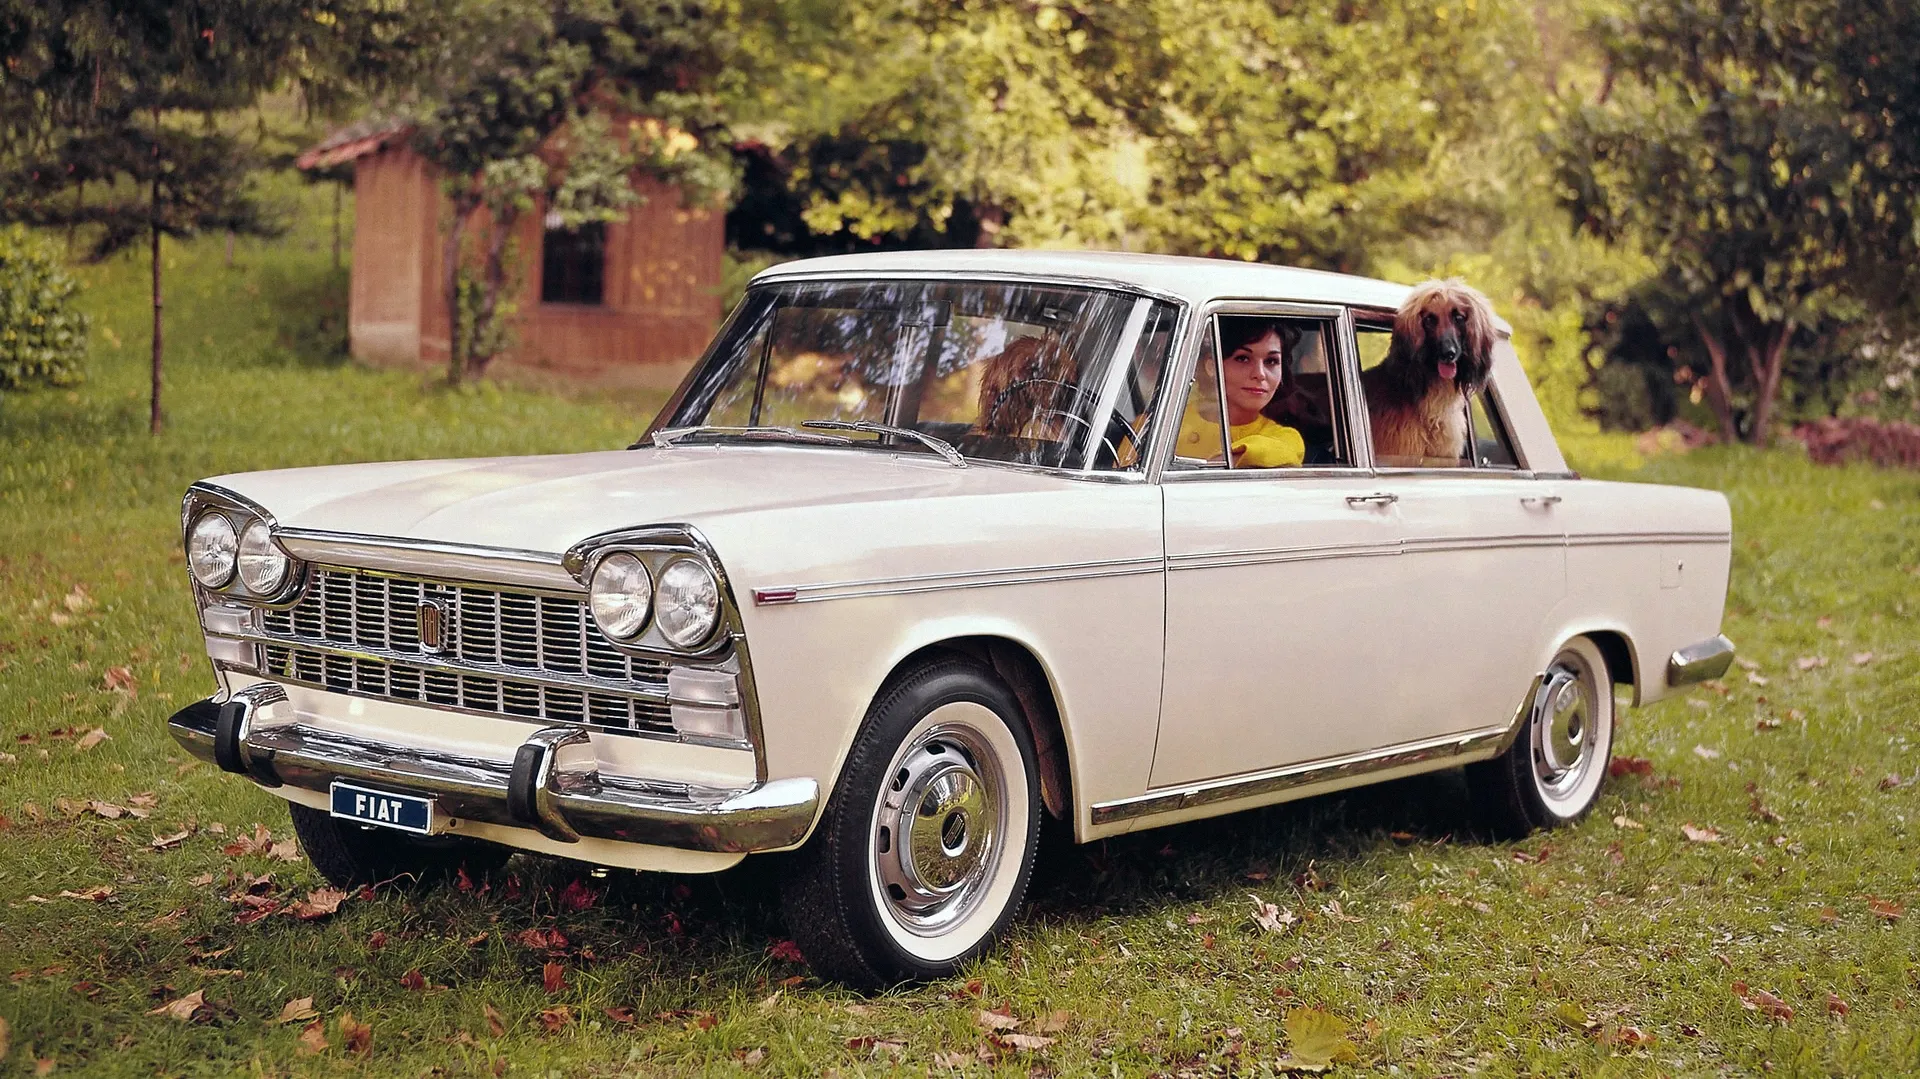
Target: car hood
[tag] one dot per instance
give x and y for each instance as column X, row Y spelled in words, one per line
column 547, row 504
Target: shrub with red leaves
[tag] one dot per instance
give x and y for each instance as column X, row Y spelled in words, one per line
column 1890, row 444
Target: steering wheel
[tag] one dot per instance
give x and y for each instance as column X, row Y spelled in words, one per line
column 1078, row 398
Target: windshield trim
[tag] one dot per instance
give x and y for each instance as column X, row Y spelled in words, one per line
column 1183, row 307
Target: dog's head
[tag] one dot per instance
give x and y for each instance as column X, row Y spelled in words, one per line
column 1447, row 329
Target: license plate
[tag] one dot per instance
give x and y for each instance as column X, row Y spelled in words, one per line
column 402, row 811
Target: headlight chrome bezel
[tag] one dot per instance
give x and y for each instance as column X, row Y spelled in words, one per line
column 204, row 501
column 715, row 603
column 658, row 548
column 257, row 544
column 205, row 526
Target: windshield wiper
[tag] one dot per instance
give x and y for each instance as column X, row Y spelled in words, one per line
column 937, row 445
column 667, row 436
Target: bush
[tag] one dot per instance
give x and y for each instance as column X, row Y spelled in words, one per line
column 1836, row 441
column 43, row 340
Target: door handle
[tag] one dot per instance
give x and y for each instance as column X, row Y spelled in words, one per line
column 1542, row 501
column 1378, row 498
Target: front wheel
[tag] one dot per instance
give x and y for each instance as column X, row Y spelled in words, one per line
column 1551, row 774
column 927, row 845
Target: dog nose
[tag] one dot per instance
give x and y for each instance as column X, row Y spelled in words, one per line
column 1449, row 349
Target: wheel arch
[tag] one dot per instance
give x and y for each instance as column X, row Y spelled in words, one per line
column 1027, row 676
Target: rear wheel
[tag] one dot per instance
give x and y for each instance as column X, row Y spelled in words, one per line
column 350, row 855
column 927, row 845
column 1552, row 773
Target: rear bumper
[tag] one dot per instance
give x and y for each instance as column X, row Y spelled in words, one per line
column 539, row 788
column 1699, row 662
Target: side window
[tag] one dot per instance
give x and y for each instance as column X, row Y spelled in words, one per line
column 1403, row 437
column 1492, row 446
column 1277, row 385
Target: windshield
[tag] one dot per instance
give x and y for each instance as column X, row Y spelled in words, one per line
column 1032, row 374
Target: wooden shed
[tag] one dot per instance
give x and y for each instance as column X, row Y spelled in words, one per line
column 630, row 303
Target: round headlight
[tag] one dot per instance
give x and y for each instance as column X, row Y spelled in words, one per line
column 689, row 603
column 263, row 568
column 621, row 595
column 211, row 548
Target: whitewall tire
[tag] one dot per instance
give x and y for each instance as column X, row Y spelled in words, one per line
column 927, row 845
column 1552, row 772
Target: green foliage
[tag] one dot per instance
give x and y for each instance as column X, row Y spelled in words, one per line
column 1731, row 150
column 518, row 120
column 43, row 338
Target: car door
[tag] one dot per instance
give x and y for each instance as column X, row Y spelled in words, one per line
column 1485, row 556
column 1284, row 586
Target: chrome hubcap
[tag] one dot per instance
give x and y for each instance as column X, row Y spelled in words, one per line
column 937, row 825
column 1563, row 727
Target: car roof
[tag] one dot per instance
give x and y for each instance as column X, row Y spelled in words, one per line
column 1198, row 280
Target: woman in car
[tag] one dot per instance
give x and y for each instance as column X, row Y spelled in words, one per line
column 1256, row 361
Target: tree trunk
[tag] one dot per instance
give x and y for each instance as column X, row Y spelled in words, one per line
column 153, row 224
column 495, row 273
column 1719, row 388
column 450, row 281
column 339, row 186
column 153, row 412
column 1767, row 362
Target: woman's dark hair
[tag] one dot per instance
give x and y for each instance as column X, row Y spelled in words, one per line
column 1245, row 330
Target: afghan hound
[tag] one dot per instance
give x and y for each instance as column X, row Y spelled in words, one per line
column 1441, row 354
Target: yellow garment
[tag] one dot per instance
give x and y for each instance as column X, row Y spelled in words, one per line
column 1260, row 444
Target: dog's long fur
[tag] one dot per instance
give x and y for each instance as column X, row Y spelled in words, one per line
column 1417, row 415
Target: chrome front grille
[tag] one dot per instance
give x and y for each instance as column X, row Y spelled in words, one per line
column 504, row 651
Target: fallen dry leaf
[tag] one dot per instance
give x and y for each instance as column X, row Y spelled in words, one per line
column 297, row 1010
column 1025, row 1042
column 1700, row 835
column 106, row 810
column 119, row 680
column 998, row 1019
column 555, row 1018
column 772, row 1001
column 550, row 940
column 284, row 851
column 1836, row 1006
column 1706, row 754
column 184, row 1007
column 92, row 895
column 413, row 980
column 313, row 1039
column 496, row 1025
column 1629, row 766
column 1861, row 659
column 1270, row 917
column 1808, row 663
column 260, row 842
column 1759, row 1000
column 1891, row 781
column 623, row 1015
column 553, row 977
column 355, row 1036
column 1757, row 679
column 1055, row 1022
column 1623, row 1036
column 1316, row 1041
column 1764, row 812
column 1624, row 821
column 1885, row 908
column 202, row 880
column 167, row 842
column 92, row 738
column 786, row 951
column 319, row 903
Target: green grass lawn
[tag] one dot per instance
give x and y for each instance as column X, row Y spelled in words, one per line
column 1614, row 947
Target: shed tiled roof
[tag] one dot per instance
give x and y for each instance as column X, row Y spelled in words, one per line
column 356, row 140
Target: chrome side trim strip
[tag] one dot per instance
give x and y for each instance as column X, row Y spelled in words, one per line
column 1700, row 661
column 1308, row 773
column 1311, row 553
column 1604, row 539
column 940, row 582
column 429, row 558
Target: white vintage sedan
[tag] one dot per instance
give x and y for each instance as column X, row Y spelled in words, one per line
column 928, row 547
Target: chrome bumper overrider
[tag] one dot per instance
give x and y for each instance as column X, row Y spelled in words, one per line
column 537, row 789
column 1699, row 662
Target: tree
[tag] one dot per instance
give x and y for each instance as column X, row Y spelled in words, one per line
column 526, row 121
column 1312, row 134
column 1730, row 150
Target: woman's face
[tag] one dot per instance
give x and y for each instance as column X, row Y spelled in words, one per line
column 1252, row 375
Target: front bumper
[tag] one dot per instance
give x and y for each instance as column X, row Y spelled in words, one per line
column 537, row 789
column 1700, row 661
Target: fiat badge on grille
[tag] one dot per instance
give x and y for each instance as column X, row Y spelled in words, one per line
column 431, row 620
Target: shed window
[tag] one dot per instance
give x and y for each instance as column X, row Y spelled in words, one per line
column 573, row 265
